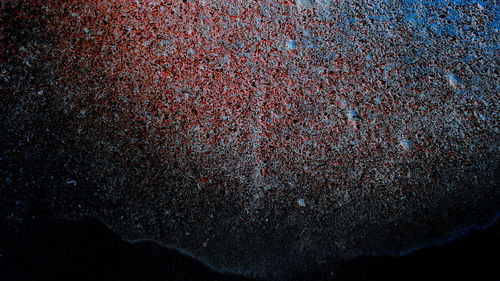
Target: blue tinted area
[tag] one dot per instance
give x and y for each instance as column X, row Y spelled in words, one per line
column 448, row 18
column 418, row 14
column 495, row 24
column 442, row 18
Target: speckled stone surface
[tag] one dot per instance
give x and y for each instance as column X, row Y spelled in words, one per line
column 262, row 137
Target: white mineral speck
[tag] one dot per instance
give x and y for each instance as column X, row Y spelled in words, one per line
column 290, row 45
column 453, row 80
column 353, row 116
column 406, row 144
column 301, row 202
column 73, row 182
column 304, row 4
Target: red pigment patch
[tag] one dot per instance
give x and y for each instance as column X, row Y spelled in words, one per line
column 217, row 81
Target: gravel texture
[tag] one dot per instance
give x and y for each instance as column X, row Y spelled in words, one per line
column 262, row 137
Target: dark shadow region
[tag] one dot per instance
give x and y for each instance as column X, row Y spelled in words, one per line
column 54, row 249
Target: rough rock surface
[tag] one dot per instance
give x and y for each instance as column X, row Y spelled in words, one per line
column 262, row 137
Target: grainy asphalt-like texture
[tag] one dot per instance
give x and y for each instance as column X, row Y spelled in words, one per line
column 262, row 137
